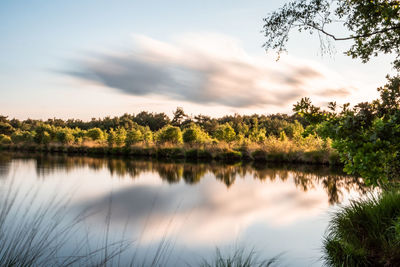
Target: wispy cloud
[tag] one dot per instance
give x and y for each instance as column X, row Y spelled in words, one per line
column 207, row 69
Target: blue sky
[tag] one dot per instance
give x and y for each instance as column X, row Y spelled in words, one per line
column 88, row 59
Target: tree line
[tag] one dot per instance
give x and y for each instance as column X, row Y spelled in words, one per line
column 147, row 127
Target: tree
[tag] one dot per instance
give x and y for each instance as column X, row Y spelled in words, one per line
column 179, row 116
column 366, row 136
column 170, row 134
column 194, row 135
column 225, row 133
column 120, row 136
column 95, row 134
column 64, row 135
column 44, row 133
column 374, row 26
column 6, row 128
column 133, row 136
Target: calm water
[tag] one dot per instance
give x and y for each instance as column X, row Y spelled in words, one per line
column 190, row 209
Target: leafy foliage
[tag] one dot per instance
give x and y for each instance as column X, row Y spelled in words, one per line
column 225, row 133
column 170, row 134
column 367, row 136
column 374, row 25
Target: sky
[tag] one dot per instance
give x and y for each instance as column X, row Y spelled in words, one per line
column 96, row 58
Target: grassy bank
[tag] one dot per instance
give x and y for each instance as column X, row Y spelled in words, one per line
column 365, row 233
column 276, row 151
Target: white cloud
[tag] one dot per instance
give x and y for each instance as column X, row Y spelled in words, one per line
column 209, row 69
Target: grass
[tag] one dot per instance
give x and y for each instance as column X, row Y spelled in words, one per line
column 365, row 233
column 239, row 258
column 36, row 232
column 310, row 150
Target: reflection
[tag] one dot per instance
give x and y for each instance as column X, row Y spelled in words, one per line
column 305, row 177
column 5, row 163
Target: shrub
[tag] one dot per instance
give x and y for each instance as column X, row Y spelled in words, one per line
column 95, row 134
column 44, row 133
column 365, row 233
column 111, row 137
column 133, row 136
column 194, row 135
column 225, row 133
column 21, row 137
column 170, row 134
column 5, row 139
column 120, row 136
column 64, row 136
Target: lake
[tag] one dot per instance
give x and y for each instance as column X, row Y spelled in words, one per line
column 181, row 211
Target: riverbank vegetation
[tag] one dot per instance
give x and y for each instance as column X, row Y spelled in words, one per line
column 366, row 136
column 274, row 138
column 365, row 233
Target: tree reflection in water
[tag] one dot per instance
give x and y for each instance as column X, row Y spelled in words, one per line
column 306, row 177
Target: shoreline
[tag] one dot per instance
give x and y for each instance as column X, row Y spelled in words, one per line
column 204, row 154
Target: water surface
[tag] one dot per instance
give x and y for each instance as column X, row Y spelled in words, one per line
column 189, row 209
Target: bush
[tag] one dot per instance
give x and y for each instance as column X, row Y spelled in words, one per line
column 21, row 137
column 365, row 233
column 120, row 136
column 133, row 136
column 194, row 135
column 95, row 134
column 225, row 133
column 64, row 136
column 44, row 134
column 170, row 134
column 5, row 139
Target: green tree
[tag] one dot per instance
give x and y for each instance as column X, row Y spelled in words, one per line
column 170, row 134
column 366, row 136
column 44, row 134
column 373, row 26
column 64, row 135
column 5, row 139
column 133, row 136
column 20, row 136
column 96, row 134
column 195, row 135
column 225, row 133
column 6, row 128
column 111, row 137
column 120, row 136
column 179, row 116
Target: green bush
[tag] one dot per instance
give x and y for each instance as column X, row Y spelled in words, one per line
column 95, row 134
column 21, row 137
column 133, row 136
column 194, row 135
column 170, row 134
column 120, row 136
column 365, row 233
column 5, row 139
column 44, row 134
column 225, row 133
column 64, row 136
